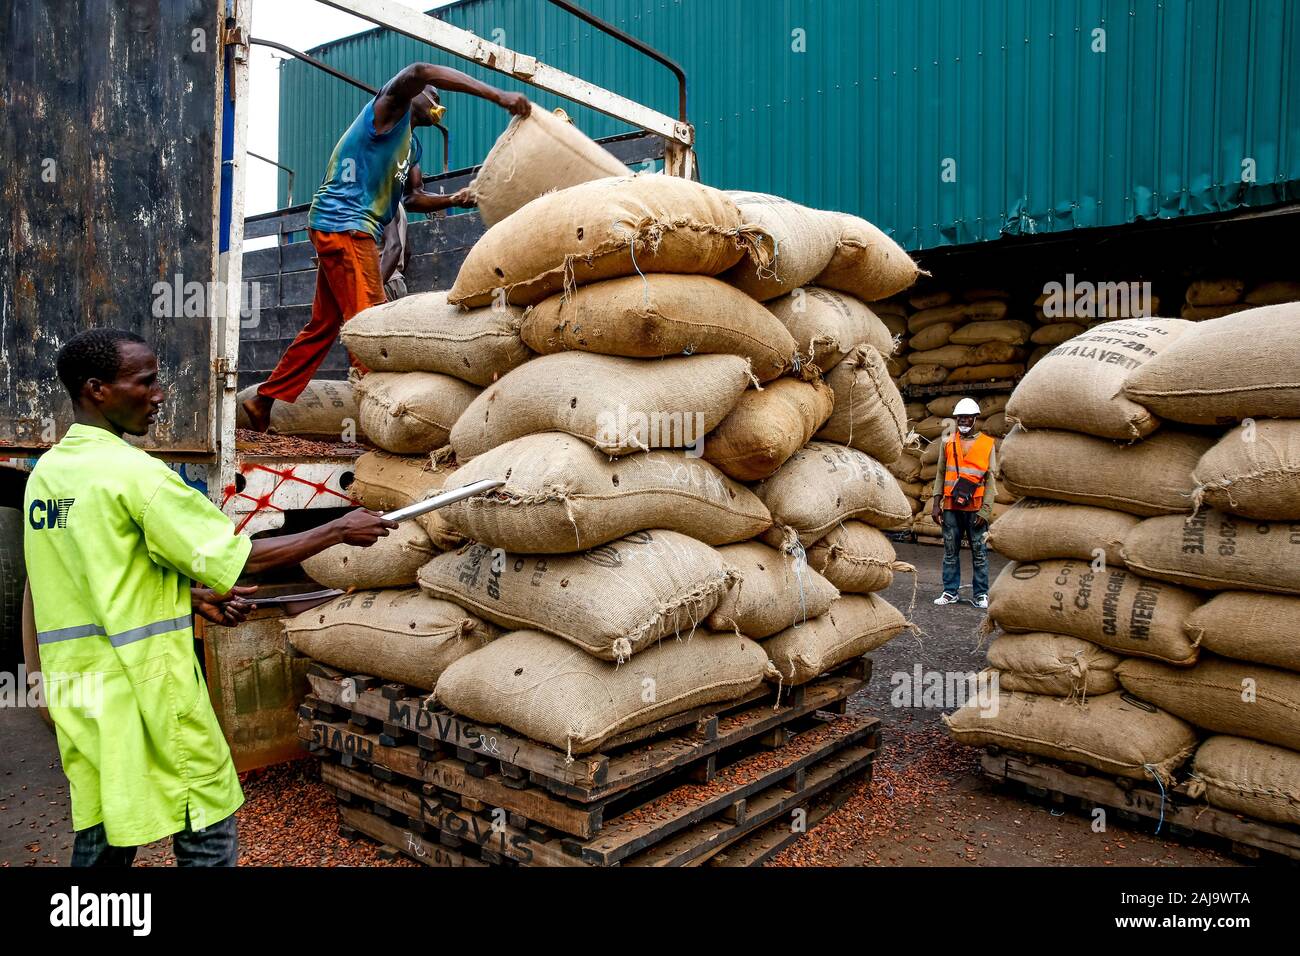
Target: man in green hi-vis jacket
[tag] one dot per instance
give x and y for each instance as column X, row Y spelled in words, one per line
column 120, row 552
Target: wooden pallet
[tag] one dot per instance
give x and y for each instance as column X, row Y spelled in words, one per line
column 1134, row 801
column 687, row 825
column 387, row 725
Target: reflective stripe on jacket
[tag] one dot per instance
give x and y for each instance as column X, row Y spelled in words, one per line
column 113, row 538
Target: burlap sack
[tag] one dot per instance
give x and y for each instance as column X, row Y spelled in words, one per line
column 661, row 315
column 867, row 264
column 1199, row 313
column 978, row 333
column 1079, row 386
column 855, row 624
column 1262, row 628
column 935, row 315
column 562, row 495
column 826, row 325
column 1215, row 291
column 945, row 405
column 324, row 411
column 823, row 484
column 1218, row 552
column 1036, row 529
column 1053, row 664
column 1117, row 609
column 552, row 692
column 775, row 591
column 611, row 601
column 1243, row 366
column 391, row 562
column 948, row 356
column 907, row 468
column 988, row 310
column 798, row 243
column 619, row 405
column 1056, row 333
column 1254, row 471
column 767, row 426
column 403, row 636
column 931, row 429
column 1151, row 477
column 924, row 375
column 985, row 373
column 929, row 299
column 537, row 153
column 931, row 337
column 1106, row 733
column 868, row 412
column 384, row 482
column 1274, row 293
column 995, row 353
column 601, row 230
column 857, row 559
column 423, row 333
column 411, row 413
column 995, row 425
column 1250, row 778
column 1227, row 697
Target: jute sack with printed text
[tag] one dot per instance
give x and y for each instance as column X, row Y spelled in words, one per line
column 423, row 332
column 1248, row 777
column 774, row 592
column 767, row 426
column 1117, row 609
column 1053, row 664
column 537, row 153
column 1106, row 733
column 1218, row 552
column 798, row 243
column 854, row 624
column 562, row 495
column 1149, row 477
column 658, row 315
column 619, row 405
column 823, row 484
column 549, row 690
column 402, row 635
column 611, row 601
column 602, row 230
column 1223, row 696
column 1079, row 385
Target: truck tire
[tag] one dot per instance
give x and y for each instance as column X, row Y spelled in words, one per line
column 13, row 576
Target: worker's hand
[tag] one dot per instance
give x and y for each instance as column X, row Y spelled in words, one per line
column 225, row 609
column 515, row 103
column 936, row 512
column 363, row 527
column 464, row 198
column 980, row 522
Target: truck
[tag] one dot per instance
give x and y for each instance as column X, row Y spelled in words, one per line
column 126, row 133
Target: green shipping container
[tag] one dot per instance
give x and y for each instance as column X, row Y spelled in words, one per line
column 943, row 121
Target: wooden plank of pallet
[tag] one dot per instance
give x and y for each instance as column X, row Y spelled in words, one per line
column 705, row 837
column 662, row 817
column 756, row 848
column 1179, row 809
column 498, row 836
column 450, row 774
column 408, row 842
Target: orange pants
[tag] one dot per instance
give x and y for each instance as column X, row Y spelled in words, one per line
column 347, row 281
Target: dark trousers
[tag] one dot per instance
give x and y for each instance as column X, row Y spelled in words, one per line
column 215, row 845
column 957, row 524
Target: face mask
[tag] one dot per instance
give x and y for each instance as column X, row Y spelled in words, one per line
column 965, row 429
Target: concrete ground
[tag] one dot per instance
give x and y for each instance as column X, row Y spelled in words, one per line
column 926, row 805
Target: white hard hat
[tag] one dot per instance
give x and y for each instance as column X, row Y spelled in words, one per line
column 967, row 406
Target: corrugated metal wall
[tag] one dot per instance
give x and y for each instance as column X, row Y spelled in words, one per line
column 944, row 121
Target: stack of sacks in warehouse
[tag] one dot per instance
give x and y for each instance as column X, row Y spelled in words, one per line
column 661, row 481
column 1088, row 465
column 1068, row 309
column 1216, row 297
column 1242, row 548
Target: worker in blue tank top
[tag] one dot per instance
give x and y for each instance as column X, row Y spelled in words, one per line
column 374, row 167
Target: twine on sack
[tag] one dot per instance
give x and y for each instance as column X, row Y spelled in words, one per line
column 800, row 563
column 1153, row 770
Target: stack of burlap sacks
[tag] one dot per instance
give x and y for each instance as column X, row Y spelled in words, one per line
column 1215, row 298
column 688, row 508
column 1154, row 596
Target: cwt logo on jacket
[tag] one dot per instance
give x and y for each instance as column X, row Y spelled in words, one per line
column 49, row 513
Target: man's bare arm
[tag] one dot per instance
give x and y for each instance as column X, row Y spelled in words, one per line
column 396, row 96
column 360, row 527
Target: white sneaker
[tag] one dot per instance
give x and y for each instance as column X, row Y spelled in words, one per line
column 981, row 601
column 947, row 597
